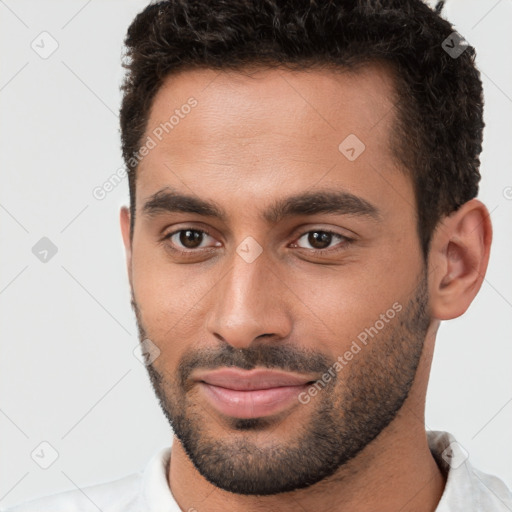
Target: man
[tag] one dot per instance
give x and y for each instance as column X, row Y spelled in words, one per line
column 302, row 218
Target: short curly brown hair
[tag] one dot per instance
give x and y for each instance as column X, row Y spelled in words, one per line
column 438, row 129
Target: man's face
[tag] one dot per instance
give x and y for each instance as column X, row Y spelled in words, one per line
column 249, row 291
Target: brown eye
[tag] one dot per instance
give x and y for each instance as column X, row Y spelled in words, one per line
column 190, row 239
column 321, row 240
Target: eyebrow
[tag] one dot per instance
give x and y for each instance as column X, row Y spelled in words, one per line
column 169, row 200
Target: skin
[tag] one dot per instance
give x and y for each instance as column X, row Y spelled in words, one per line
column 252, row 140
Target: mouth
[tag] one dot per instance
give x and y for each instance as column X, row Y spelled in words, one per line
column 251, row 394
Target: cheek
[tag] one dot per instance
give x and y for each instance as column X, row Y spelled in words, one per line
column 338, row 306
column 328, row 306
column 166, row 295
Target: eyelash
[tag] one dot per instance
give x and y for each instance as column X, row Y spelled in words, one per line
column 346, row 242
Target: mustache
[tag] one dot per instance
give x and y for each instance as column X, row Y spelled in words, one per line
column 277, row 357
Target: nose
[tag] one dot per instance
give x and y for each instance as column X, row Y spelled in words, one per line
column 249, row 302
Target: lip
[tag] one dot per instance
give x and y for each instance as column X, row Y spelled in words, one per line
column 243, row 380
column 251, row 394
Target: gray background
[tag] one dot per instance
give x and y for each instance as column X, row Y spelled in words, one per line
column 67, row 369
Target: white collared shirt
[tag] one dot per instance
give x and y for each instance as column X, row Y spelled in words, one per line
column 466, row 490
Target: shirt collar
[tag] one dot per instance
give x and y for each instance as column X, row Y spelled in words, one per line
column 466, row 488
column 156, row 492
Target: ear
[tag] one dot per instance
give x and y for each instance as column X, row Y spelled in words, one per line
column 124, row 218
column 458, row 258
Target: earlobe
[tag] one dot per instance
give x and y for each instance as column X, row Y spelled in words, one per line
column 459, row 256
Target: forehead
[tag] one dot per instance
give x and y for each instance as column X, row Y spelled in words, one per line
column 265, row 129
column 257, row 101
